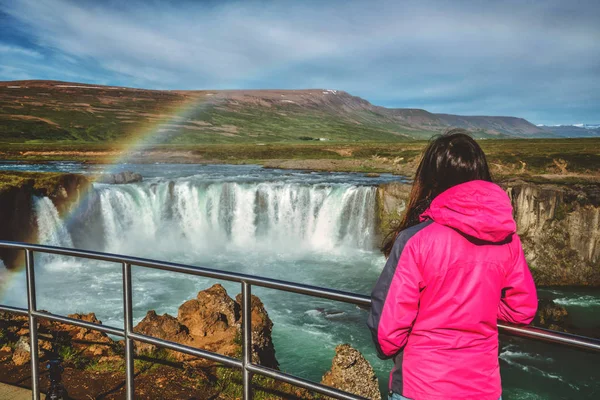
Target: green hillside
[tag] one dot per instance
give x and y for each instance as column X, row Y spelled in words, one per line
column 50, row 112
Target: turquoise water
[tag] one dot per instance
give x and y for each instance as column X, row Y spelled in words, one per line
column 313, row 228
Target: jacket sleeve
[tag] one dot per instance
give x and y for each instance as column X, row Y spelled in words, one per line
column 519, row 302
column 395, row 300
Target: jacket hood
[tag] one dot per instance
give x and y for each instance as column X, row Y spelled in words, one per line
column 479, row 209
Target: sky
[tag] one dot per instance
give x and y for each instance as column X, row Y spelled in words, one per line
column 539, row 60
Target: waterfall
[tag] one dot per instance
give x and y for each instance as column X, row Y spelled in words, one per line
column 202, row 216
column 51, row 229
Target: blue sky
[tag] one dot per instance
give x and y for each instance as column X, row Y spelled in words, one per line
column 534, row 59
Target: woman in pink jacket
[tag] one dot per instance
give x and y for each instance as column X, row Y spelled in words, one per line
column 455, row 265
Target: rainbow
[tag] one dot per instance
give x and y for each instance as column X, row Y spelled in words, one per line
column 140, row 139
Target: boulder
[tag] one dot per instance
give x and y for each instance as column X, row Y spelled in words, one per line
column 552, row 316
column 22, row 353
column 119, row 178
column 212, row 321
column 88, row 342
column 212, row 312
column 352, row 373
column 263, row 350
column 163, row 327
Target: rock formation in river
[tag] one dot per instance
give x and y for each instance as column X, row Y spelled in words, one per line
column 351, row 372
column 552, row 316
column 119, row 178
column 17, row 220
column 212, row 322
column 558, row 224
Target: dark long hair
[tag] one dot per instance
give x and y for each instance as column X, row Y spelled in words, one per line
column 449, row 159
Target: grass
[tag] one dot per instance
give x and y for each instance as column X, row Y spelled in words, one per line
column 73, row 357
column 229, row 385
column 567, row 161
column 41, row 182
column 49, row 113
column 7, row 340
column 87, row 115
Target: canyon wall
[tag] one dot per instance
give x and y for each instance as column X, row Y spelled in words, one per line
column 558, row 224
column 560, row 229
column 17, row 217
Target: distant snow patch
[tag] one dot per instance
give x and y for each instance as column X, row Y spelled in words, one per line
column 14, row 87
column 89, row 87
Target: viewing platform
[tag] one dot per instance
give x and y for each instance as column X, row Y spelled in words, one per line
column 9, row 392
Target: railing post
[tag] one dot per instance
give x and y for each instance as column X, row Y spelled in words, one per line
column 33, row 333
column 246, row 339
column 128, row 316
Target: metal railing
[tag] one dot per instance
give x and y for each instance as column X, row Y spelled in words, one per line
column 247, row 281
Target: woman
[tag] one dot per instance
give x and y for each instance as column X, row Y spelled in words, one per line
column 455, row 265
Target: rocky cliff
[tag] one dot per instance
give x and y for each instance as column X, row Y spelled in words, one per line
column 351, row 372
column 560, row 229
column 559, row 226
column 17, row 220
column 212, row 321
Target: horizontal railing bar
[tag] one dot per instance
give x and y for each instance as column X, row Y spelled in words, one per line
column 551, row 336
column 230, row 361
column 315, row 291
column 15, row 310
column 347, row 297
column 77, row 322
column 302, row 383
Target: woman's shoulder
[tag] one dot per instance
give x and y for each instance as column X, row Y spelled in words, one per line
column 406, row 234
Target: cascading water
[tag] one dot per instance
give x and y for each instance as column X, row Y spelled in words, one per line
column 51, row 229
column 235, row 216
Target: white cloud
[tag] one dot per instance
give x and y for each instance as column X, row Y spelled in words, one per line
column 461, row 56
column 20, row 51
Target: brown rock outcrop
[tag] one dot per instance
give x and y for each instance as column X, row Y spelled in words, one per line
column 212, row 312
column 263, row 351
column 552, row 316
column 163, row 327
column 89, row 342
column 54, row 336
column 22, row 352
column 351, row 372
column 212, row 322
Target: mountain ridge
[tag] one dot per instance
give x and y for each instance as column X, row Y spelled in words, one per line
column 66, row 111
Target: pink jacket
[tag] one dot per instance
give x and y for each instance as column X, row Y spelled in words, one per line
column 444, row 286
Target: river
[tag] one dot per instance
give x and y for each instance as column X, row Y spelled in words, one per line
column 308, row 227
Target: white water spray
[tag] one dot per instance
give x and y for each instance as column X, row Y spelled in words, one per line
column 51, row 229
column 229, row 215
